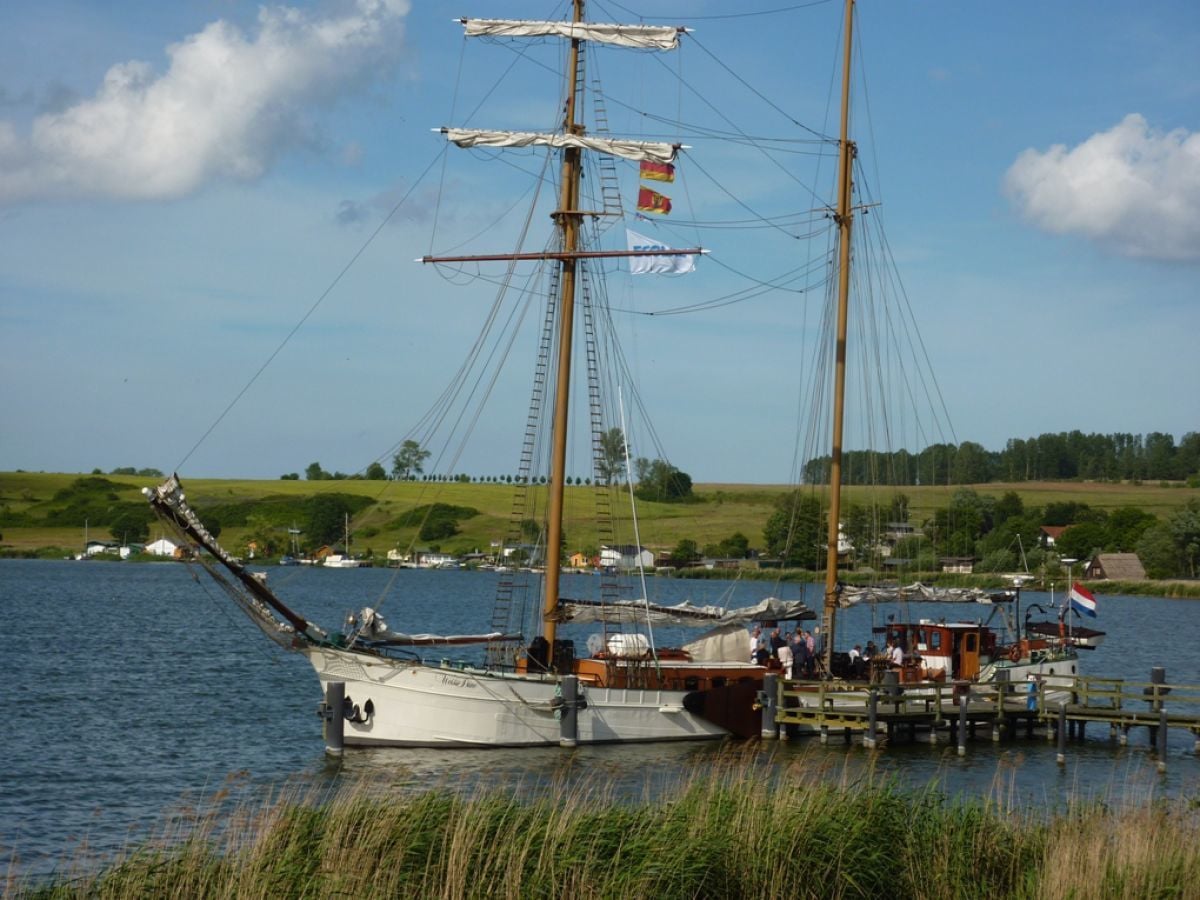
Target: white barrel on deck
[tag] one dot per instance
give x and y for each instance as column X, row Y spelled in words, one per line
column 628, row 646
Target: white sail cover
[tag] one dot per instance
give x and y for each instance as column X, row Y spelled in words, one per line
column 850, row 595
column 634, row 612
column 371, row 626
column 725, row 644
column 636, row 150
column 643, row 37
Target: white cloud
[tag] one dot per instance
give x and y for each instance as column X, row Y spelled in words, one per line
column 1131, row 188
column 227, row 105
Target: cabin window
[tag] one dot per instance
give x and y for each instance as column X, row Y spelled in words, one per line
column 935, row 640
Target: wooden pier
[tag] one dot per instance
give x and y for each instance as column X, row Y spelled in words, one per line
column 1060, row 706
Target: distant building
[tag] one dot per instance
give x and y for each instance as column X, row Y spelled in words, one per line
column 626, row 556
column 1115, row 567
column 961, row 565
column 163, row 547
column 1051, row 533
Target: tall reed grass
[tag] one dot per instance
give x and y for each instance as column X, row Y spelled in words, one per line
column 728, row 830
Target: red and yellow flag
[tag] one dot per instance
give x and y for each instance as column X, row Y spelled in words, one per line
column 656, row 171
column 653, row 201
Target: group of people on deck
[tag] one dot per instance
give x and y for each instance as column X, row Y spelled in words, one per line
column 798, row 655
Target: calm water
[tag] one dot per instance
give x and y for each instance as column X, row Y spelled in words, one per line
column 134, row 691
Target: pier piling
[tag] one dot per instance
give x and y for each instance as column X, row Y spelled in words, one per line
column 1062, row 734
column 568, row 733
column 963, row 699
column 335, row 722
column 870, row 741
column 770, row 712
column 1162, row 739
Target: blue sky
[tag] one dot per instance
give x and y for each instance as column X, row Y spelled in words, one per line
column 180, row 183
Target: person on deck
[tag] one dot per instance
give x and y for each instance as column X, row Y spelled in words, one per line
column 755, row 634
column 801, row 658
column 856, row 662
column 896, row 655
column 777, row 641
column 762, row 655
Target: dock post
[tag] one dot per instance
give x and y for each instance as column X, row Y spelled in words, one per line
column 871, row 739
column 962, row 724
column 1158, row 677
column 568, row 725
column 1162, row 740
column 1003, row 685
column 335, row 723
column 1123, row 736
column 770, row 707
column 1062, row 734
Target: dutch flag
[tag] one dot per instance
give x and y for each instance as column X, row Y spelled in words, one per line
column 1082, row 600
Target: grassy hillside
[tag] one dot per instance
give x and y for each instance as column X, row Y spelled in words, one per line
column 29, row 508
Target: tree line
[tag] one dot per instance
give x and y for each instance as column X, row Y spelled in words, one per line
column 1062, row 456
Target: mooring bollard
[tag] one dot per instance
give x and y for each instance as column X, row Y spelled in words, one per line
column 1062, row 734
column 568, row 723
column 770, row 706
column 335, row 722
column 963, row 698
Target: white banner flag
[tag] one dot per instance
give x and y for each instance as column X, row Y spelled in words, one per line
column 656, row 265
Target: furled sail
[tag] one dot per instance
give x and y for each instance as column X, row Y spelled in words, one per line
column 371, row 628
column 642, row 37
column 850, row 595
column 635, row 150
column 633, row 612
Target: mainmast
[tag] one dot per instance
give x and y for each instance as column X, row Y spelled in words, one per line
column 567, row 217
column 844, row 218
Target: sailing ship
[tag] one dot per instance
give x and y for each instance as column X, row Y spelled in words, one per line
column 533, row 689
column 927, row 649
column 531, row 686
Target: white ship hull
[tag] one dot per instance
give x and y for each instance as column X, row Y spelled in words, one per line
column 420, row 705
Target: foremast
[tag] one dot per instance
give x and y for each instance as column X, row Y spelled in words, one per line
column 573, row 140
column 567, row 218
column 844, row 218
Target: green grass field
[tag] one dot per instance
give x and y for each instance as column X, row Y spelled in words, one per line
column 720, row 510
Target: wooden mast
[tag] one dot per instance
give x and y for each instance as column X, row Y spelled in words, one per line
column 568, row 221
column 844, row 218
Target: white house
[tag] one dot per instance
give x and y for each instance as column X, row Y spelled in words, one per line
column 162, row 547
column 626, row 556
